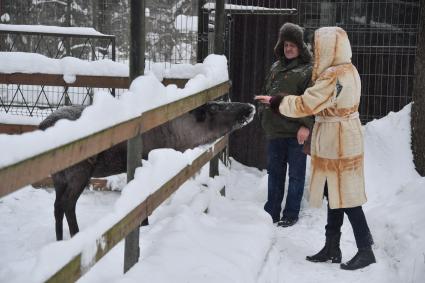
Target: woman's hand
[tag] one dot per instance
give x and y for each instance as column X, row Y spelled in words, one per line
column 302, row 134
column 263, row 98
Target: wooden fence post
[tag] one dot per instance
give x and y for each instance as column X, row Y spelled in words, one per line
column 134, row 145
column 218, row 49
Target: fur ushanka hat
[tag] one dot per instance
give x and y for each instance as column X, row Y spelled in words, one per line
column 293, row 33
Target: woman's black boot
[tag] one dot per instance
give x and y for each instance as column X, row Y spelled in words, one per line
column 330, row 252
column 363, row 258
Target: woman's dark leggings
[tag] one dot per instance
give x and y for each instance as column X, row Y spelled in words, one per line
column 358, row 222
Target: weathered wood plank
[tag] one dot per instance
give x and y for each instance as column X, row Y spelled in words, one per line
column 37, row 167
column 74, row 269
column 95, row 184
column 172, row 185
column 180, row 83
column 81, row 80
column 16, row 129
column 57, row 80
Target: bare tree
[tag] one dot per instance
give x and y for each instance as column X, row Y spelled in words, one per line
column 418, row 107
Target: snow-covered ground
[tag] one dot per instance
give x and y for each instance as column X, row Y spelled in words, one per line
column 235, row 241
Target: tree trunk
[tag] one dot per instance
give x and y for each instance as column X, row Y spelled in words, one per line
column 418, row 106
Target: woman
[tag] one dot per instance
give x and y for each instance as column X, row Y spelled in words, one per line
column 336, row 145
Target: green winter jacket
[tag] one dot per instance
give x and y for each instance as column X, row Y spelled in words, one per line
column 289, row 78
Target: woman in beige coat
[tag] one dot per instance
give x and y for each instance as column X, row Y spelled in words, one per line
column 336, row 143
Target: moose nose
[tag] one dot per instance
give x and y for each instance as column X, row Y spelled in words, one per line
column 248, row 110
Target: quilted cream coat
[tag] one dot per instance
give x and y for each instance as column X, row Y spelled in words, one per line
column 337, row 139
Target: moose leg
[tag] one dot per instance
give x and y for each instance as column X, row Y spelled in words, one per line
column 78, row 179
column 60, row 188
column 71, row 217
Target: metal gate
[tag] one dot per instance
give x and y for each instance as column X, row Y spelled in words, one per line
column 383, row 38
column 251, row 38
column 251, row 31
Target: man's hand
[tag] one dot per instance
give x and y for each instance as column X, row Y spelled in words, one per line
column 302, row 134
column 263, row 98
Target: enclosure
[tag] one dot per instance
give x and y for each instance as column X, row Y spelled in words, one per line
column 177, row 33
column 383, row 35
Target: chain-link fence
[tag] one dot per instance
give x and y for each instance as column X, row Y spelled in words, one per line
column 382, row 33
column 171, row 25
column 171, row 37
column 383, row 37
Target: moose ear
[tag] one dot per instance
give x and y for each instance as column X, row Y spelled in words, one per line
column 199, row 113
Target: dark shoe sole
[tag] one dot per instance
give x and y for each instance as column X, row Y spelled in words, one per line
column 348, row 267
column 286, row 223
column 333, row 260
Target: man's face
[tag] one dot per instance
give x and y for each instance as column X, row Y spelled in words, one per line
column 290, row 49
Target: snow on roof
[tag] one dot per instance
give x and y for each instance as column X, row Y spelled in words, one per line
column 51, row 29
column 186, row 24
column 248, row 8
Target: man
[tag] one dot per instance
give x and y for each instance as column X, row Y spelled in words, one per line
column 290, row 74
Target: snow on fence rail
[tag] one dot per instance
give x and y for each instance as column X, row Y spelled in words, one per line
column 34, row 168
column 78, row 266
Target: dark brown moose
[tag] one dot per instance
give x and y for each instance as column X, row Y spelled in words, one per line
column 200, row 126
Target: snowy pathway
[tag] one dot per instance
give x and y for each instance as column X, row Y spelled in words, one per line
column 236, row 241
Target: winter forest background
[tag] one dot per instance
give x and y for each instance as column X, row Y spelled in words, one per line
column 171, row 28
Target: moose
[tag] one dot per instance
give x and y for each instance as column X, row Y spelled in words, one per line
column 199, row 126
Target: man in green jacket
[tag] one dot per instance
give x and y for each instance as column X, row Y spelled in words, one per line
column 291, row 74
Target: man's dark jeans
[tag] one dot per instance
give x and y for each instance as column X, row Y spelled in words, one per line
column 283, row 152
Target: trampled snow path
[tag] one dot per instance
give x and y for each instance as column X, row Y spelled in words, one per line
column 236, row 241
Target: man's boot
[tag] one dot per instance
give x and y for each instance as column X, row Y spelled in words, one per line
column 330, row 252
column 363, row 258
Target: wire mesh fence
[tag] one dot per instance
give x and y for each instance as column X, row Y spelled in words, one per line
column 382, row 32
column 383, row 37
column 41, row 100
column 171, row 38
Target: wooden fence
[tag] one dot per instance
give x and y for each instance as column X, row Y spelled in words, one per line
column 14, row 176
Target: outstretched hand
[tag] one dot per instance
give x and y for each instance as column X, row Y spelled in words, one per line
column 263, row 98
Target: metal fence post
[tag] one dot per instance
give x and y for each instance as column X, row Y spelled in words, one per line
column 219, row 27
column 202, row 48
column 134, row 145
column 68, row 23
column 218, row 49
column 68, row 15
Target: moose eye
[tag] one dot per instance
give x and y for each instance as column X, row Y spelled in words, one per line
column 213, row 108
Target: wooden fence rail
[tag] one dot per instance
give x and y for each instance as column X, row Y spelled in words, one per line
column 80, row 80
column 75, row 269
column 33, row 169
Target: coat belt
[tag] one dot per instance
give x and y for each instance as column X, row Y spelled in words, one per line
column 334, row 119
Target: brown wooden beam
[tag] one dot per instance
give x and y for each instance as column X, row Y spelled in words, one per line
column 95, row 184
column 57, row 80
column 37, row 167
column 180, row 83
column 73, row 270
column 81, row 81
column 16, row 129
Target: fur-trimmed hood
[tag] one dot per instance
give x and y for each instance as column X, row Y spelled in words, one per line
column 293, row 33
column 331, row 48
